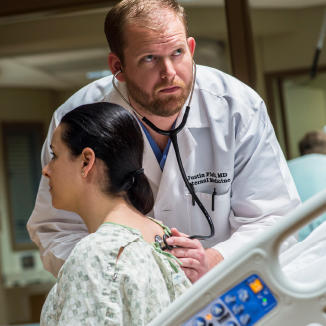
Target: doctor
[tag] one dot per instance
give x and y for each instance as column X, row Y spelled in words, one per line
column 228, row 146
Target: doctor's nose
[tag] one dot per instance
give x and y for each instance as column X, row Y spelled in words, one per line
column 167, row 70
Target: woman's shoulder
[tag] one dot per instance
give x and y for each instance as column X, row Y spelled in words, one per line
column 157, row 268
column 100, row 248
column 108, row 236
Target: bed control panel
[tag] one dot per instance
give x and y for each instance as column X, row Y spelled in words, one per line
column 243, row 305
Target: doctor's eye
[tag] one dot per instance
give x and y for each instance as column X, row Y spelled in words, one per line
column 148, row 58
column 177, row 52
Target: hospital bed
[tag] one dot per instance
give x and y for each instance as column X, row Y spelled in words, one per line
column 250, row 287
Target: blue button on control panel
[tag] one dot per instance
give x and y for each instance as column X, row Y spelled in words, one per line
column 243, row 305
column 199, row 321
column 217, row 310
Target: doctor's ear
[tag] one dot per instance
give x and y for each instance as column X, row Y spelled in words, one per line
column 192, row 45
column 87, row 161
column 116, row 66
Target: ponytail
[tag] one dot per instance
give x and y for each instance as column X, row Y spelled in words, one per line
column 140, row 194
column 138, row 191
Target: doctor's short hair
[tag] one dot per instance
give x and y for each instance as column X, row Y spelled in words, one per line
column 138, row 11
column 115, row 137
column 313, row 142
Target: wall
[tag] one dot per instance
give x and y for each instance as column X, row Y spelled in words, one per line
column 294, row 47
column 21, row 105
column 3, row 299
column 305, row 110
column 286, row 40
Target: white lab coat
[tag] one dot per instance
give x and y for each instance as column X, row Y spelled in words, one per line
column 228, row 144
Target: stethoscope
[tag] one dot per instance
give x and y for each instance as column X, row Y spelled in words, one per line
column 172, row 134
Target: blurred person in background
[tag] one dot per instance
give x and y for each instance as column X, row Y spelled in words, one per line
column 309, row 172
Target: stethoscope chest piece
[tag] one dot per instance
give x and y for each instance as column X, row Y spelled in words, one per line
column 162, row 242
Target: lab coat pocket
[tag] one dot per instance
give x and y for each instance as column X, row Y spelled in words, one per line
column 218, row 207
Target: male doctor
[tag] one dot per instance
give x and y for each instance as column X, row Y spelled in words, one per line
column 228, row 145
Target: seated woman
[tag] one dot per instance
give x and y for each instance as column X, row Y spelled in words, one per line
column 116, row 275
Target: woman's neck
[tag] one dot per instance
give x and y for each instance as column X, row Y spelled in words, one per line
column 97, row 208
column 95, row 211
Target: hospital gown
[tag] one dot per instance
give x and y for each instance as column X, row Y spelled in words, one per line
column 94, row 287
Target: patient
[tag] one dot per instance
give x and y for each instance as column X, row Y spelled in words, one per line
column 116, row 275
column 309, row 172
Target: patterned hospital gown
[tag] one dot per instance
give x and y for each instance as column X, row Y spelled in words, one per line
column 96, row 288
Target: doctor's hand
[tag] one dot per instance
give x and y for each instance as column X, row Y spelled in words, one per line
column 195, row 259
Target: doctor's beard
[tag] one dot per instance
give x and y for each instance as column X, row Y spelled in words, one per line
column 166, row 107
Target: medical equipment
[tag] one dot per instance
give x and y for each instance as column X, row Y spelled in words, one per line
column 249, row 288
column 173, row 136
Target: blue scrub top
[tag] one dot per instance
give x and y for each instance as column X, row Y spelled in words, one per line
column 160, row 156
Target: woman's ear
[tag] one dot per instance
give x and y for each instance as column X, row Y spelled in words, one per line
column 116, row 66
column 87, row 161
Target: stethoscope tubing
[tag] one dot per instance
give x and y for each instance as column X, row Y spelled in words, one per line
column 174, row 139
column 172, row 134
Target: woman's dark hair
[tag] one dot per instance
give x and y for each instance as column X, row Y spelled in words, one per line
column 115, row 137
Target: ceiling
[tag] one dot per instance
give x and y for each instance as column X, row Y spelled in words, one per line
column 260, row 3
column 62, row 59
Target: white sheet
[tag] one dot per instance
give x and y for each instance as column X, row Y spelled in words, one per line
column 306, row 260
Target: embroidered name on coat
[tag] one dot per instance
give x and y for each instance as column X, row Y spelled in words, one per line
column 209, row 177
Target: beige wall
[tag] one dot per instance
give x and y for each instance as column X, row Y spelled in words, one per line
column 3, row 299
column 306, row 111
column 294, row 47
column 286, row 40
column 20, row 105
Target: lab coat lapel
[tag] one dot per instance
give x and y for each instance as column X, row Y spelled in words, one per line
column 171, row 177
column 171, row 180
